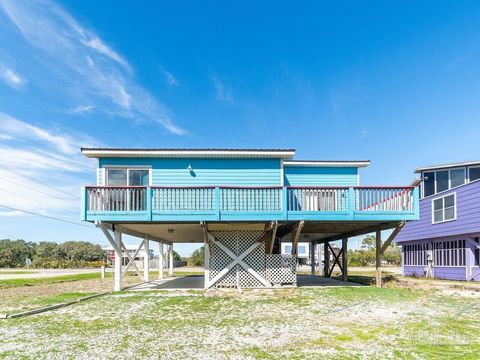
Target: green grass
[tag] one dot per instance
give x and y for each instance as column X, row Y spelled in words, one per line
column 11, row 283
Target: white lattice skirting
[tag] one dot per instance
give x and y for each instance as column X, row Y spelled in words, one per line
column 238, row 259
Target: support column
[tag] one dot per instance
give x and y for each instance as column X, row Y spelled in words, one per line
column 312, row 257
column 326, row 260
column 146, row 259
column 378, row 260
column 160, row 260
column 118, row 262
column 170, row 260
column 319, row 258
column 345, row 259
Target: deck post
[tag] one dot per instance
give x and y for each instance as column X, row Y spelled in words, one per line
column 378, row 260
column 312, row 257
column 118, row 262
column 170, row 259
column 326, row 260
column 146, row 259
column 344, row 259
column 160, row 260
column 319, row 257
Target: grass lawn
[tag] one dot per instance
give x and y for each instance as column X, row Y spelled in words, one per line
column 356, row 322
column 24, row 294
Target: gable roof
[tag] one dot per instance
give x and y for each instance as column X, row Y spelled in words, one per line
column 201, row 152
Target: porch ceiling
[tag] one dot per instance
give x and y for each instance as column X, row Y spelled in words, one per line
column 312, row 231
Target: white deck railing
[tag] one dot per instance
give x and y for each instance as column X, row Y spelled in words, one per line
column 317, row 199
column 183, row 198
column 384, row 199
column 113, row 198
column 251, row 199
column 198, row 199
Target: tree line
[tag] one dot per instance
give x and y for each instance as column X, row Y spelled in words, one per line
column 46, row 254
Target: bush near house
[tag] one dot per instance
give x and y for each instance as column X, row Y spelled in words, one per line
column 70, row 254
column 197, row 258
column 366, row 255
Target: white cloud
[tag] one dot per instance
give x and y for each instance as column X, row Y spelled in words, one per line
column 5, row 137
column 11, row 213
column 81, row 109
column 10, row 77
column 169, row 78
column 14, row 127
column 223, row 92
column 82, row 65
column 38, row 167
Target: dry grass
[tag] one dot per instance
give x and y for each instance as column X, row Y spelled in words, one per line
column 358, row 322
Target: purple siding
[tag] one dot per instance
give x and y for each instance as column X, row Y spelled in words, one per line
column 409, row 270
column 450, row 273
column 467, row 222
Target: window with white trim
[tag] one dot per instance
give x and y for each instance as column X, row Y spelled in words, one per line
column 444, row 209
column 474, row 173
column 441, row 180
column 127, row 177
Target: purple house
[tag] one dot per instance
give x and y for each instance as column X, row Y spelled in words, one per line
column 445, row 242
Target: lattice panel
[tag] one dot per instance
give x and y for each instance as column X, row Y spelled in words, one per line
column 237, row 242
column 281, row 269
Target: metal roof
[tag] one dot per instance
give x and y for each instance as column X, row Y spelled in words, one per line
column 198, row 152
column 327, row 163
column 449, row 165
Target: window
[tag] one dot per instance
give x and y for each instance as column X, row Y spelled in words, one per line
column 127, row 177
column 441, row 180
column 288, row 249
column 449, row 253
column 415, row 255
column 117, row 177
column 457, row 177
column 428, row 183
column 443, row 209
column 138, row 177
column 474, row 173
column 302, row 249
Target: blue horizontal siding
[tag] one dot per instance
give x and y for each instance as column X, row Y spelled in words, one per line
column 320, row 176
column 233, row 172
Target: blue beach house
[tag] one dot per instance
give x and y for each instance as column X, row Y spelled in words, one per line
column 242, row 204
column 445, row 241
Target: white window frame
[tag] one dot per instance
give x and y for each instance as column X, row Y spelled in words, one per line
column 128, row 168
column 468, row 172
column 465, row 174
column 443, row 208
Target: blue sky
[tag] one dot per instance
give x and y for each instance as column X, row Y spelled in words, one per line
column 395, row 82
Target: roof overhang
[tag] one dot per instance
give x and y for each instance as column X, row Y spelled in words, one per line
column 445, row 166
column 327, row 163
column 188, row 153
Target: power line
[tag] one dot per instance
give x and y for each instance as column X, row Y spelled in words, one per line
column 7, row 235
column 36, row 180
column 38, row 201
column 34, row 189
column 47, row 217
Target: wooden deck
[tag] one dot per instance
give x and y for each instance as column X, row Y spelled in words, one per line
column 209, row 203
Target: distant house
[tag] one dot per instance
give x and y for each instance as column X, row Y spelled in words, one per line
column 445, row 241
column 132, row 250
column 304, row 254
